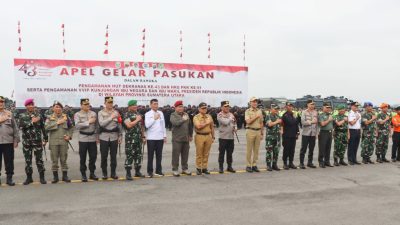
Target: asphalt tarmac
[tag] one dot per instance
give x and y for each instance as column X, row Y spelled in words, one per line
column 361, row 194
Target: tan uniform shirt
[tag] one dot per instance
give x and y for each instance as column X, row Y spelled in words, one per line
column 251, row 113
column 200, row 119
column 106, row 121
column 57, row 132
column 87, row 132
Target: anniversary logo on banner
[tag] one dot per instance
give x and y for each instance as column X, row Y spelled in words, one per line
column 68, row 81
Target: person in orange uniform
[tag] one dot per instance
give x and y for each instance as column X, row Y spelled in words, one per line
column 396, row 136
column 204, row 128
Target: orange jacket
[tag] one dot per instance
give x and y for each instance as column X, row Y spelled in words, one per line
column 396, row 123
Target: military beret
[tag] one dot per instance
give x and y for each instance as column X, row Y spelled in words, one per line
column 201, row 105
column 310, row 101
column 109, row 99
column 341, row 107
column 132, row 102
column 366, row 104
column 397, row 108
column 2, row 99
column 289, row 104
column 327, row 104
column 354, row 104
column 225, row 103
column 58, row 103
column 85, row 101
column 274, row 106
column 28, row 101
column 178, row 103
column 252, row 99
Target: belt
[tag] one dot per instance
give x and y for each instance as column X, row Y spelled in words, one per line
column 250, row 128
column 203, row 133
column 87, row 133
column 325, row 131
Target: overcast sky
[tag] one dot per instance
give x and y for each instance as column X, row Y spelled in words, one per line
column 294, row 47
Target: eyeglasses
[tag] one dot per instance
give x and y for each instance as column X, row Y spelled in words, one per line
column 203, row 108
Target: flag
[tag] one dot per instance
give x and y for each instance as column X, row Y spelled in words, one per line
column 106, row 52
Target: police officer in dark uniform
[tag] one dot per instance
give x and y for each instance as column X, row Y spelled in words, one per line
column 289, row 136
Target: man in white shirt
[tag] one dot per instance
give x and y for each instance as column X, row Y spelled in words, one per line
column 354, row 132
column 156, row 137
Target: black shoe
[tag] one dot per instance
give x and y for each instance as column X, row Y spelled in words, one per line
column 385, row 160
column 105, row 176
column 199, row 172
column 378, row 158
column 55, row 177
column 10, row 181
column 269, row 167
column 394, row 160
column 285, row 166
column 29, row 179
column 93, row 176
column 357, row 163
column 311, row 165
column 335, row 162
column 351, row 163
column 364, row 161
column 114, row 176
column 302, row 166
column 65, row 177
column 138, row 173
column 255, row 169
column 84, row 177
column 342, row 162
column 205, row 171
column 328, row 164
column 292, row 166
column 160, row 174
column 221, row 168
column 42, row 180
column 248, row 169
column 151, row 175
column 230, row 169
column 369, row 161
column 275, row 166
column 321, row 165
column 128, row 174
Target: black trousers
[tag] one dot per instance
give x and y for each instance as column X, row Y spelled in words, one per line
column 226, row 145
column 307, row 142
column 105, row 148
column 354, row 142
column 289, row 146
column 88, row 148
column 7, row 150
column 154, row 147
column 396, row 146
column 324, row 146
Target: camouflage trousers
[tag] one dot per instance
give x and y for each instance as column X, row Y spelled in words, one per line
column 133, row 152
column 28, row 151
column 272, row 145
column 382, row 143
column 340, row 144
column 367, row 145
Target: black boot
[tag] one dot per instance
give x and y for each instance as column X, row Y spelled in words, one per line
column 378, row 158
column 199, row 171
column 255, row 169
column 335, row 162
column 248, row 169
column 84, row 177
column 28, row 179
column 269, row 167
column 221, row 168
column 369, row 161
column 292, row 166
column 302, row 166
column 55, row 177
column 105, row 176
column 128, row 174
column 10, row 181
column 364, row 161
column 342, row 162
column 275, row 166
column 384, row 159
column 137, row 172
column 114, row 175
column 310, row 164
column 205, row 171
column 285, row 166
column 42, row 180
column 230, row 169
column 93, row 176
column 65, row 177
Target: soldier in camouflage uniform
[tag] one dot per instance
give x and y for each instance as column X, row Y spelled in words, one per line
column 368, row 134
column 273, row 138
column 34, row 137
column 340, row 136
column 383, row 129
column 134, row 138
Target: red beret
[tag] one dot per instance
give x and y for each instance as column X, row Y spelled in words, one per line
column 178, row 103
column 28, row 101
